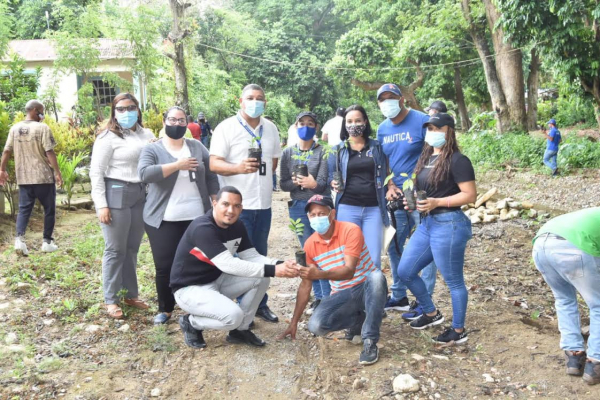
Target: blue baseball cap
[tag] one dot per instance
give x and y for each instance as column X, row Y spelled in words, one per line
column 552, row 121
column 389, row 87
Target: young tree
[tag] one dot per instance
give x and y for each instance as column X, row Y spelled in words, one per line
column 179, row 32
column 6, row 27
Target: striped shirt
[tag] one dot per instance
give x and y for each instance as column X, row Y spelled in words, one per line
column 347, row 240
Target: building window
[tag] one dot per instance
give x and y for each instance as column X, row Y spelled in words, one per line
column 104, row 93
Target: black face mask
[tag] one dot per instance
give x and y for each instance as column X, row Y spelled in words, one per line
column 175, row 131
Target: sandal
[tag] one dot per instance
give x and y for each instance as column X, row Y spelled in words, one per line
column 137, row 303
column 115, row 312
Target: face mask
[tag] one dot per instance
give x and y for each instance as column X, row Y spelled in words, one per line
column 356, row 130
column 127, row 119
column 41, row 117
column 390, row 108
column 175, row 131
column 320, row 224
column 254, row 108
column 435, row 139
column 306, row 132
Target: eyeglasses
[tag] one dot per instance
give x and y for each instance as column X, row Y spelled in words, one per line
column 178, row 121
column 132, row 107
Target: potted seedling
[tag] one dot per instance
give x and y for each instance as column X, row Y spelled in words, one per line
column 297, row 227
column 253, row 151
column 408, row 187
column 301, row 168
column 337, row 175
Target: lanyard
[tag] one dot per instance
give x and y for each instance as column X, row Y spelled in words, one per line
column 260, row 132
column 298, row 151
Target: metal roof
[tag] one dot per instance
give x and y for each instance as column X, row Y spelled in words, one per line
column 43, row 50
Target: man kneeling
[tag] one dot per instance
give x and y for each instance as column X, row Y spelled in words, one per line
column 206, row 276
column 337, row 252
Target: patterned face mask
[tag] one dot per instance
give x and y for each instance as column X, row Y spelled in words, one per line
column 356, row 130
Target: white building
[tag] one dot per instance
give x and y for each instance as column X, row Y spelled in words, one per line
column 113, row 58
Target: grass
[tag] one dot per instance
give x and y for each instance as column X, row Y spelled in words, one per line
column 158, row 340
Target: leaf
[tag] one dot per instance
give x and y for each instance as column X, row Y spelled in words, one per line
column 387, row 179
column 404, row 174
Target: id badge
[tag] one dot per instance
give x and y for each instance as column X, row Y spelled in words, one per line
column 262, row 170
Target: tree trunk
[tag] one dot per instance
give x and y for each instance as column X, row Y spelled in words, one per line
column 532, row 90
column 491, row 77
column 176, row 36
column 593, row 87
column 509, row 68
column 460, row 101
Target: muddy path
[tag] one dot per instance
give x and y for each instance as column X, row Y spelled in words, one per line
column 56, row 343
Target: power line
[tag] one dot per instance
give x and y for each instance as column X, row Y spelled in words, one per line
column 461, row 63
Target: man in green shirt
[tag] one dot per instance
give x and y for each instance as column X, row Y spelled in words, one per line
column 567, row 253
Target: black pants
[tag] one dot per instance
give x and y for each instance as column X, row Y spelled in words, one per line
column 163, row 242
column 46, row 194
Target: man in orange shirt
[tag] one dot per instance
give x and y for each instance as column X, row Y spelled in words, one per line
column 194, row 128
column 337, row 251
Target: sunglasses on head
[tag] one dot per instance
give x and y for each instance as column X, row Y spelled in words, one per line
column 132, row 107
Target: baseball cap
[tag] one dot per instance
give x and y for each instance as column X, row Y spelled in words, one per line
column 200, row 115
column 307, row 114
column 389, row 87
column 437, row 105
column 552, row 121
column 320, row 200
column 439, row 120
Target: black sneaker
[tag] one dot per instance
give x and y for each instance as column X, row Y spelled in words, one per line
column 575, row 363
column 399, row 305
column 313, row 307
column 450, row 335
column 591, row 374
column 266, row 314
column 246, row 337
column 425, row 321
column 191, row 336
column 414, row 313
column 370, row 353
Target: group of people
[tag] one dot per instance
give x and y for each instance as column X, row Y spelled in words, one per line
column 207, row 214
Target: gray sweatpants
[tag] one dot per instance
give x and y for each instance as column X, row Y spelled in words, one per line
column 122, row 239
column 211, row 306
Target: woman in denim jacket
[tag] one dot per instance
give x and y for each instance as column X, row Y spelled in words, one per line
column 360, row 198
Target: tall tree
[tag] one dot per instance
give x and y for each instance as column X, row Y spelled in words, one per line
column 179, row 31
column 6, row 24
column 567, row 34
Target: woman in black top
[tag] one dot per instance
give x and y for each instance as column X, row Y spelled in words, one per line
column 448, row 178
column 361, row 198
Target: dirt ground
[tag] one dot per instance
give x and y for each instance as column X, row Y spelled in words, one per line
column 56, row 342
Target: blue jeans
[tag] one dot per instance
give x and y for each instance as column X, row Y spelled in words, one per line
column 258, row 225
column 403, row 227
column 274, row 181
column 204, row 140
column 369, row 221
column 46, row 194
column 321, row 287
column 550, row 159
column 350, row 307
column 443, row 238
column 568, row 270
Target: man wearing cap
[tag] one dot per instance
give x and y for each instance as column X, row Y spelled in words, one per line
column 332, row 128
column 302, row 188
column 402, row 137
column 337, row 252
column 253, row 178
column 194, row 128
column 553, row 140
column 437, row 106
column 205, row 127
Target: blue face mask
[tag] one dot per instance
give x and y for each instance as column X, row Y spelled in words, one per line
column 390, row 108
column 254, row 108
column 127, row 119
column 435, row 139
column 320, row 224
column 306, row 132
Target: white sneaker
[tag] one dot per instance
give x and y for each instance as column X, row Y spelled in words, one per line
column 49, row 247
column 20, row 246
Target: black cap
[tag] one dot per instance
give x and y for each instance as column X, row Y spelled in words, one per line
column 320, row 200
column 340, row 111
column 437, row 105
column 307, row 114
column 439, row 120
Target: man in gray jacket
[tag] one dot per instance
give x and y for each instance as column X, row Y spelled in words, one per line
column 207, row 276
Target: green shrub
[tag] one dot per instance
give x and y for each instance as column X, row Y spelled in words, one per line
column 70, row 140
column 153, row 121
column 484, row 122
column 574, row 109
column 520, row 150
